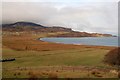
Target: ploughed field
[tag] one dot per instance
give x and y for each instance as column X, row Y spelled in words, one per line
column 36, row 59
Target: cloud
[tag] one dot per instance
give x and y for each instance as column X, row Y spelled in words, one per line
column 82, row 16
column 60, row 0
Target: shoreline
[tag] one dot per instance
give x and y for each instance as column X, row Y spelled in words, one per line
column 33, row 42
column 41, row 57
column 75, row 44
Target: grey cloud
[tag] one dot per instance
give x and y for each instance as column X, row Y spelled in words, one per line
column 92, row 17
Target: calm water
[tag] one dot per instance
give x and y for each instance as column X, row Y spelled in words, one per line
column 100, row 41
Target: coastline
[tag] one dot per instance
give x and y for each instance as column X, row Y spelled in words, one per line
column 76, row 44
column 35, row 54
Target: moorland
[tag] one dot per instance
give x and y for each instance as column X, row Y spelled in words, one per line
column 38, row 59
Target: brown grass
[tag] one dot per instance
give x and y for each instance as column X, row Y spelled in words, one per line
column 28, row 42
column 33, row 74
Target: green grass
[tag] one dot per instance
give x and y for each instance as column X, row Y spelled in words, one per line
column 75, row 57
column 48, row 59
column 27, row 61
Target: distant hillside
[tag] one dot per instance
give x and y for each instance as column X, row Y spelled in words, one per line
column 29, row 26
column 24, row 24
column 82, row 34
column 21, row 26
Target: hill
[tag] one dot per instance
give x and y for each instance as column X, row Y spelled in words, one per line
column 82, row 34
column 33, row 27
column 29, row 26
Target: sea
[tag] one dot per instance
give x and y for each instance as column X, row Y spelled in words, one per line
column 97, row 41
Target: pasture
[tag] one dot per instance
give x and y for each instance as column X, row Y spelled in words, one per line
column 34, row 58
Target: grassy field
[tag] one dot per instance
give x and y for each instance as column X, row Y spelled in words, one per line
column 35, row 59
column 74, row 57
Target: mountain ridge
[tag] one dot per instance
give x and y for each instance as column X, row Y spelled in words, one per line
column 21, row 23
column 30, row 26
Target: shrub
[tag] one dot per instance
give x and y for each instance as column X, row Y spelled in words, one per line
column 14, row 74
column 113, row 57
column 52, row 75
column 32, row 75
column 19, row 73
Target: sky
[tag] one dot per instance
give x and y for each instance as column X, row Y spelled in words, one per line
column 99, row 16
